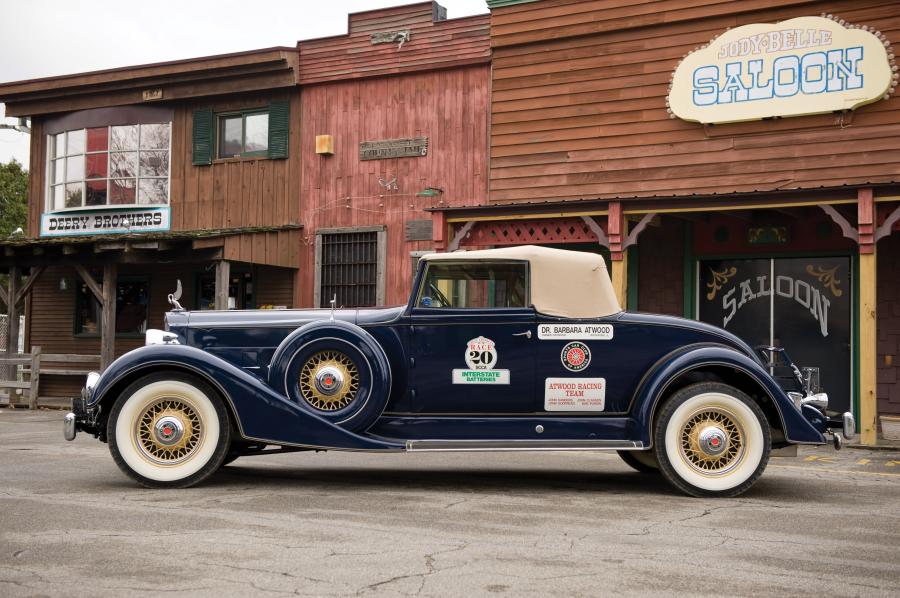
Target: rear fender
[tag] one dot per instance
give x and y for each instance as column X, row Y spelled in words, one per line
column 260, row 413
column 696, row 357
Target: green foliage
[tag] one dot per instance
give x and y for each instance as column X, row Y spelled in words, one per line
column 13, row 198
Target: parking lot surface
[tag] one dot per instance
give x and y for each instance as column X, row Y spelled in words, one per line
column 455, row 524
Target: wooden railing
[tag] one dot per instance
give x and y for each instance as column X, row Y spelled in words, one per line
column 34, row 368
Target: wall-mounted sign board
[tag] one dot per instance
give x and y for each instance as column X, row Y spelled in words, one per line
column 806, row 65
column 105, row 222
column 393, row 148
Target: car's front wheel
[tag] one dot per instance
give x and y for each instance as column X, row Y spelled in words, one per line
column 711, row 439
column 169, row 430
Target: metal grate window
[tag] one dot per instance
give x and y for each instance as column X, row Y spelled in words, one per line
column 349, row 269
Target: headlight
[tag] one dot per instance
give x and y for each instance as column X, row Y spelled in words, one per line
column 91, row 383
column 160, row 337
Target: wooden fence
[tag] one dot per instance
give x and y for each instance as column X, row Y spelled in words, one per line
column 37, row 364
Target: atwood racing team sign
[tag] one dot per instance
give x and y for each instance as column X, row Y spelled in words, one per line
column 104, row 222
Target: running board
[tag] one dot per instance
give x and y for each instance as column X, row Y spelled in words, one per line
column 523, row 445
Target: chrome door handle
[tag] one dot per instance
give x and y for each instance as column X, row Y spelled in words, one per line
column 526, row 334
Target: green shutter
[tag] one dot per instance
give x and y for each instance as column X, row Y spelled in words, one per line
column 203, row 137
column 279, row 119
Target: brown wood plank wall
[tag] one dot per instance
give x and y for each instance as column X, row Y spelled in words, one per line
column 235, row 192
column 578, row 105
column 447, row 106
column 274, row 286
column 433, row 44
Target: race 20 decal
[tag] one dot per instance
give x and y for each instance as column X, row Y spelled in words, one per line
column 575, row 332
column 481, row 357
column 575, row 356
column 574, row 394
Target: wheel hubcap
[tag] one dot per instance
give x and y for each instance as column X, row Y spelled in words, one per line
column 329, row 381
column 168, row 431
column 712, row 441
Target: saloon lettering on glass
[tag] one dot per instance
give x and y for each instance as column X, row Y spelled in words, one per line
column 804, row 293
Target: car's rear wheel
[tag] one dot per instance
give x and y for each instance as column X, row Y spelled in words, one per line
column 169, row 430
column 642, row 461
column 711, row 439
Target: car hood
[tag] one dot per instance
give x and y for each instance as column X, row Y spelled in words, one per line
column 276, row 318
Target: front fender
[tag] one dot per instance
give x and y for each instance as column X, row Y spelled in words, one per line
column 796, row 428
column 261, row 413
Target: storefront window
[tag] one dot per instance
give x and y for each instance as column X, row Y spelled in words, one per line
column 132, row 300
column 104, row 166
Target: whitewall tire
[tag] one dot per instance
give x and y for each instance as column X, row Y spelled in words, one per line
column 169, row 430
column 711, row 439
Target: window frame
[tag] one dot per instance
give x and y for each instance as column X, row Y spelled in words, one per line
column 51, row 159
column 417, row 299
column 220, row 117
column 380, row 264
column 76, row 318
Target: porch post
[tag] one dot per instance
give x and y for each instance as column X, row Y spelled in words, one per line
column 223, row 275
column 615, row 231
column 12, row 329
column 439, row 231
column 868, row 356
column 108, row 316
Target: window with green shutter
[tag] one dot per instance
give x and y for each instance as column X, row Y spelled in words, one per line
column 203, row 136
column 259, row 132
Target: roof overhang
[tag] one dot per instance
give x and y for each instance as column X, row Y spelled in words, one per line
column 257, row 70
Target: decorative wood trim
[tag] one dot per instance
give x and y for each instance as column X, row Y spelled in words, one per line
column 885, row 229
column 847, row 229
column 597, row 230
column 89, row 281
column 632, row 237
column 460, row 235
column 866, row 220
column 32, row 278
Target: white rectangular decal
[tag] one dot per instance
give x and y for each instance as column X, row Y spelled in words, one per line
column 481, row 376
column 574, row 394
column 575, row 332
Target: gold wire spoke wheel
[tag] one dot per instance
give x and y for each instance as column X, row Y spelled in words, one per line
column 712, row 441
column 168, row 431
column 329, row 381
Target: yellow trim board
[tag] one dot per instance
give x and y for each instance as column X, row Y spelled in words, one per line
column 527, row 216
column 789, row 204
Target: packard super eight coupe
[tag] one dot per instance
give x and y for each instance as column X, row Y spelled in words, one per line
column 515, row 349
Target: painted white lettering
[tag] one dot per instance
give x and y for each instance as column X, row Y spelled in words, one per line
column 746, row 293
column 780, row 288
column 813, row 67
column 706, row 85
column 785, row 74
column 729, row 305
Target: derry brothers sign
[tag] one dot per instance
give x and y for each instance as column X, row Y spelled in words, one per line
column 105, row 222
column 807, row 65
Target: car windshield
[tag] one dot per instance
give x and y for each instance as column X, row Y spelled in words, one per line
column 474, row 285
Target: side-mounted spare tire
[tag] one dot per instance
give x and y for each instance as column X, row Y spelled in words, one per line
column 335, row 370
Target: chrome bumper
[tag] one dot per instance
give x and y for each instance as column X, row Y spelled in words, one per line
column 69, row 430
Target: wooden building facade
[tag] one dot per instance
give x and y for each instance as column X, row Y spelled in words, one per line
column 769, row 226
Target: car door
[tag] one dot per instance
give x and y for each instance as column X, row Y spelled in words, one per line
column 472, row 340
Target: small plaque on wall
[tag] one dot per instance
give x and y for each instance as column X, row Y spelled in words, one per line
column 418, row 230
column 393, row 148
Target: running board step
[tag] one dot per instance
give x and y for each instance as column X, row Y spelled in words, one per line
column 523, row 445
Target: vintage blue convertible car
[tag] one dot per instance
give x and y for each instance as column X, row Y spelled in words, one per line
column 516, row 349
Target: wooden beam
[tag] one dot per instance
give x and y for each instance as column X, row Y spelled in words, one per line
column 12, row 324
column 35, row 274
column 223, row 276
column 145, row 245
column 89, row 281
column 116, row 246
column 3, row 296
column 108, row 317
column 460, row 235
column 619, row 275
column 69, row 250
column 868, row 319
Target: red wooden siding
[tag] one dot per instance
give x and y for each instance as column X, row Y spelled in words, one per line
column 578, row 106
column 433, row 44
column 888, row 343
column 448, row 106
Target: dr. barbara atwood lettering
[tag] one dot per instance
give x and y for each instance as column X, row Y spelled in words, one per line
column 103, row 221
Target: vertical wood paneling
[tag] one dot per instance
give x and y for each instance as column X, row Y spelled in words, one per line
column 578, row 106
column 442, row 105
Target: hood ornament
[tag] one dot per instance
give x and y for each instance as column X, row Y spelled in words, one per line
column 333, row 303
column 174, row 297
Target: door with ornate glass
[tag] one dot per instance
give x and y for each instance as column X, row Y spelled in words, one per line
column 801, row 304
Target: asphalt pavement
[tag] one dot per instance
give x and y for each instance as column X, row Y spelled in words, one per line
column 439, row 524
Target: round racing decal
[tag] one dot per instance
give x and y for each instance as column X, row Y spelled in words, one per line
column 575, row 356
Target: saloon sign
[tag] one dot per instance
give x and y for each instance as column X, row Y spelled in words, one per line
column 807, row 65
column 103, row 222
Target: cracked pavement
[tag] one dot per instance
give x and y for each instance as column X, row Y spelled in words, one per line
column 451, row 524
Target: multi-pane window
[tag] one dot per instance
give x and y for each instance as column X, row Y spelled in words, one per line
column 243, row 134
column 132, row 299
column 349, row 269
column 115, row 165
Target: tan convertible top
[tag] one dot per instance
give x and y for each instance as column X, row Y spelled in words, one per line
column 571, row 284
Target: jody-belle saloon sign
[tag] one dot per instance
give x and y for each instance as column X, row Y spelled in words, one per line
column 104, row 222
column 807, row 65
